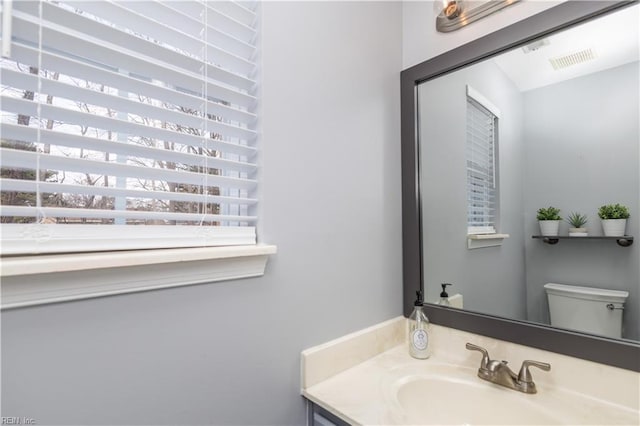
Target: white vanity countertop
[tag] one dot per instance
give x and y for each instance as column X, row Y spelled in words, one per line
column 365, row 391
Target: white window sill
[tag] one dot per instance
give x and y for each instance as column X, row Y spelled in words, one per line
column 35, row 280
column 475, row 241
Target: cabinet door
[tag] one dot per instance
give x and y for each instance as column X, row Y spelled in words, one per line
column 318, row 416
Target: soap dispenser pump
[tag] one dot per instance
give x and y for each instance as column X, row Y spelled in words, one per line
column 419, row 330
column 444, row 296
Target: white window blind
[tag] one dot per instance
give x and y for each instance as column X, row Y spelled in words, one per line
column 128, row 125
column 482, row 191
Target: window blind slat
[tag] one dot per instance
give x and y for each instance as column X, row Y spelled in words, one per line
column 215, row 18
column 29, row 55
column 31, row 160
column 79, row 118
column 30, row 134
column 24, row 81
column 86, row 30
column 236, row 11
column 477, row 144
column 160, row 67
column 227, row 23
column 476, row 172
column 481, row 212
column 166, row 32
column 53, row 187
column 126, row 214
column 177, row 18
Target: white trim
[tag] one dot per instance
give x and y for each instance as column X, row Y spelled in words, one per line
column 36, row 280
column 485, row 240
column 482, row 100
column 83, row 261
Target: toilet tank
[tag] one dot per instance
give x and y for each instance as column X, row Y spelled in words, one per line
column 589, row 309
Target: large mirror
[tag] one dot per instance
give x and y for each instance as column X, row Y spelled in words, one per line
column 550, row 121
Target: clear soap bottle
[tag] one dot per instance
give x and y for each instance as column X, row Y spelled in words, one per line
column 419, row 330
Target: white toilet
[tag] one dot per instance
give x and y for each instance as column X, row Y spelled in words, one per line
column 592, row 310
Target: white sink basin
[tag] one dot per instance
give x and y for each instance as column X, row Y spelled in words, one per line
column 446, row 394
column 457, row 402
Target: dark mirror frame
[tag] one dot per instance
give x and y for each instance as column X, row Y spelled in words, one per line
column 618, row 353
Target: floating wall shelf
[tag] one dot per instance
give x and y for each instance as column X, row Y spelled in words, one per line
column 625, row 241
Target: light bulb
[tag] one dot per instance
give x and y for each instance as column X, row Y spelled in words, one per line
column 449, row 8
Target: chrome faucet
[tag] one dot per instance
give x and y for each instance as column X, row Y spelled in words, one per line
column 499, row 373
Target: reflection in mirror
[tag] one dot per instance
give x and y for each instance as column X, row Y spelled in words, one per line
column 553, row 123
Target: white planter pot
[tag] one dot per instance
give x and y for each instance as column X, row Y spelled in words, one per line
column 614, row 227
column 578, row 232
column 549, row 228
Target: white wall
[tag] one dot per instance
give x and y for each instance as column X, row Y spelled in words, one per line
column 421, row 41
column 228, row 353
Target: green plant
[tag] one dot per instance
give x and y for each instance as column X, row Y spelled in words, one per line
column 577, row 220
column 550, row 213
column 613, row 211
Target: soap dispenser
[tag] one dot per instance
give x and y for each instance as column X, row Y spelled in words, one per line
column 444, row 296
column 419, row 330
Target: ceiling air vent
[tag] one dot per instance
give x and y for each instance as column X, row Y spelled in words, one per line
column 572, row 59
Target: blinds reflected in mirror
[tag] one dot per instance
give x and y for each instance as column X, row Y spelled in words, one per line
column 482, row 192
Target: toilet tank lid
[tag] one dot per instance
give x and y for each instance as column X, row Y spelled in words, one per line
column 574, row 290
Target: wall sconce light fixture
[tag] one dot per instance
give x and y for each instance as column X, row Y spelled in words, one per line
column 455, row 14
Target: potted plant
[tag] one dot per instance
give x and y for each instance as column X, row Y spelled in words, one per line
column 614, row 219
column 549, row 220
column 577, row 222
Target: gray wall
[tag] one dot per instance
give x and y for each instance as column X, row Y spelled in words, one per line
column 228, row 353
column 582, row 152
column 490, row 279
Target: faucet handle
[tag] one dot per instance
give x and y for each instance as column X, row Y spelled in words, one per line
column 525, row 375
column 485, row 355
